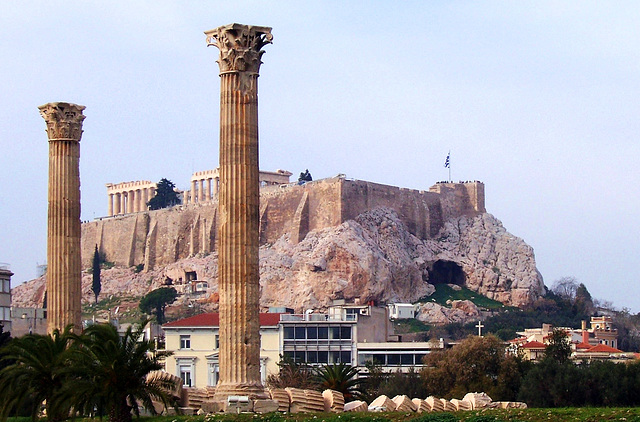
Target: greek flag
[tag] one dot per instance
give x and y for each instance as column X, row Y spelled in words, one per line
column 446, row 162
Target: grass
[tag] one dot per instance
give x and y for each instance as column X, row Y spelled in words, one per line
column 410, row 325
column 444, row 292
column 587, row 414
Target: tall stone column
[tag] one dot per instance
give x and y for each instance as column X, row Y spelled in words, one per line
column 117, row 204
column 240, row 52
column 207, row 190
column 64, row 266
column 110, row 205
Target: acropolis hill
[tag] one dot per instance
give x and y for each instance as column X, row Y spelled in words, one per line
column 334, row 238
column 159, row 238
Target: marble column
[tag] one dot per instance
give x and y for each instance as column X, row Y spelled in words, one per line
column 207, row 190
column 110, row 205
column 193, row 191
column 64, row 266
column 117, row 204
column 240, row 52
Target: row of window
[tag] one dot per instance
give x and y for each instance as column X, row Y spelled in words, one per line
column 323, row 332
column 319, row 356
column 391, row 359
column 185, row 341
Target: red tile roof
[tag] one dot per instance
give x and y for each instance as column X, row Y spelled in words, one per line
column 213, row 320
column 534, row 345
column 583, row 346
column 603, row 348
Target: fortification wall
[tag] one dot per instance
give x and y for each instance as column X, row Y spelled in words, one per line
column 158, row 238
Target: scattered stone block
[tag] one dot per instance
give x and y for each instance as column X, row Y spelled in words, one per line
column 511, row 405
column 315, row 401
column 265, row 406
column 355, row 406
column 461, row 404
column 421, row 405
column 448, row 406
column 297, row 400
column 435, row 403
column 282, row 397
column 404, row 404
column 478, row 400
column 333, row 401
column 382, row 404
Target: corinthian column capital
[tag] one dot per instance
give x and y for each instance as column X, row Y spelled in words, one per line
column 240, row 46
column 64, row 121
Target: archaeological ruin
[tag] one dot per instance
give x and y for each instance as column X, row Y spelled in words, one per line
column 64, row 272
column 239, row 203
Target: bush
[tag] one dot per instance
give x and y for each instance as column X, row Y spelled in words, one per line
column 436, row 417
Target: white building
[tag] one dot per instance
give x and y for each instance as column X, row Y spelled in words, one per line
column 402, row 311
column 5, row 297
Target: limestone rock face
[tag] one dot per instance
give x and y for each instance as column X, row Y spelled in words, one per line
column 373, row 257
column 376, row 258
column 461, row 311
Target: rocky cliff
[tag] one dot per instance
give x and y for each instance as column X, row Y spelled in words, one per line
column 373, row 256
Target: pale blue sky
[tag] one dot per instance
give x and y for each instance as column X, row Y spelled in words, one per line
column 540, row 100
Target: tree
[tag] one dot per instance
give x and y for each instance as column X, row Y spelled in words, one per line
column 340, row 377
column 559, row 347
column 156, row 301
column 117, row 373
column 305, row 176
column 36, row 372
column 565, row 288
column 96, row 285
column 165, row 197
column 292, row 374
column 476, row 364
column 583, row 301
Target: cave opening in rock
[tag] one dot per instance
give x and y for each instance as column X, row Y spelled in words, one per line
column 446, row 272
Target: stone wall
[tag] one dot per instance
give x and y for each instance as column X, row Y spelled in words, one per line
column 159, row 238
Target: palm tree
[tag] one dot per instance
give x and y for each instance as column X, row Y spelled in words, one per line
column 35, row 372
column 114, row 373
column 341, row 377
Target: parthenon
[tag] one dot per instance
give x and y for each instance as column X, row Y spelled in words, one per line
column 131, row 197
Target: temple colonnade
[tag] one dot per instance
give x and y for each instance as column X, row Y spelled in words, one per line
column 205, row 185
column 129, row 197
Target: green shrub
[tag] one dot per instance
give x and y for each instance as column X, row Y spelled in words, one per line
column 436, row 417
column 484, row 418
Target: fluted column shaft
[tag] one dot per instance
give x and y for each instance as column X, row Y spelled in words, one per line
column 64, row 267
column 238, row 236
column 110, row 205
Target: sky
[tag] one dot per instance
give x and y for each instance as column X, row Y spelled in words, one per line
column 537, row 99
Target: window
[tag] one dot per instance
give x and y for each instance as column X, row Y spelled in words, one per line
column 6, row 286
column 393, row 359
column 288, row 333
column 185, row 375
column 312, row 333
column 185, row 342
column 213, row 374
column 323, row 332
column 345, row 332
column 300, row 333
column 406, row 359
column 216, row 341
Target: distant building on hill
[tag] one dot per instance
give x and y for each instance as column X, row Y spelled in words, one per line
column 5, row 297
column 595, row 343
